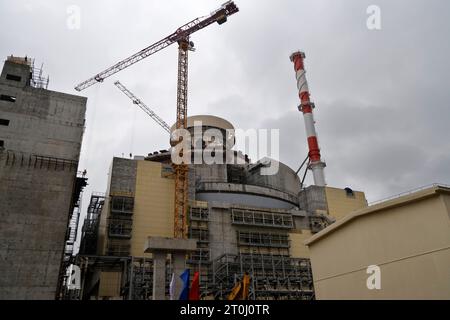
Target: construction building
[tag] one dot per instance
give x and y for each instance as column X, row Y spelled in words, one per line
column 407, row 237
column 243, row 221
column 40, row 141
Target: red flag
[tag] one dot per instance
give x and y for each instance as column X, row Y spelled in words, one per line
column 194, row 293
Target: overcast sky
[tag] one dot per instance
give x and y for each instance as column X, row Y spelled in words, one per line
column 382, row 96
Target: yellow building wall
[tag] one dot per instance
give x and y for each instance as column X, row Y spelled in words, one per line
column 339, row 204
column 109, row 285
column 153, row 206
column 298, row 248
column 410, row 244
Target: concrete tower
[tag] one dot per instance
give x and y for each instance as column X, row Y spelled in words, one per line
column 306, row 106
column 40, row 141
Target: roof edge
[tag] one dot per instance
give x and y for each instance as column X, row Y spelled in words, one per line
column 392, row 203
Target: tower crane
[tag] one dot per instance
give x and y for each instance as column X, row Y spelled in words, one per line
column 181, row 36
column 142, row 105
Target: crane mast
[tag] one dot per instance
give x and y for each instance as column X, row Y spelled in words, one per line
column 142, row 105
column 181, row 170
column 181, row 36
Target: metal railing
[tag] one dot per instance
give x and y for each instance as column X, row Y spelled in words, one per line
column 198, row 213
column 409, row 192
column 261, row 218
column 259, row 239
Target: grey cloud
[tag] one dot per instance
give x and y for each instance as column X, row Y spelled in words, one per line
column 382, row 96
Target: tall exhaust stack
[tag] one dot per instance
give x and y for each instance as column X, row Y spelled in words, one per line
column 306, row 107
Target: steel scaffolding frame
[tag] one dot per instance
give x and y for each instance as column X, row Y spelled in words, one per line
column 120, row 224
column 91, row 223
column 263, row 255
column 273, row 277
column 261, row 239
column 62, row 291
column 261, row 218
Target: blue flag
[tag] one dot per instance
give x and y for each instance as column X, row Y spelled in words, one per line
column 185, row 291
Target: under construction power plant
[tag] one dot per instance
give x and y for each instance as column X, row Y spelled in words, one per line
column 240, row 230
column 242, row 222
column 198, row 207
column 246, row 227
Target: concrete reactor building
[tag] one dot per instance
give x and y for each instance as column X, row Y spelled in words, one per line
column 243, row 221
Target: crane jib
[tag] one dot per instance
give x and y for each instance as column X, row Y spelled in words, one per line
column 182, row 33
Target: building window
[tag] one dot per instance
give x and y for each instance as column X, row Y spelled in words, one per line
column 2, row 143
column 122, row 205
column 5, row 97
column 13, row 77
column 4, row 122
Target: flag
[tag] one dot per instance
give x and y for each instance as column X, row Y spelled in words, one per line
column 234, row 294
column 245, row 286
column 241, row 289
column 185, row 291
column 172, row 287
column 194, row 293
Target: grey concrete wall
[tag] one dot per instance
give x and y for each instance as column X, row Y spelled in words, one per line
column 122, row 181
column 191, row 182
column 301, row 219
column 313, row 198
column 222, row 234
column 244, row 199
column 35, row 195
column 210, row 173
column 240, row 193
column 20, row 70
column 284, row 180
column 33, row 220
column 123, row 175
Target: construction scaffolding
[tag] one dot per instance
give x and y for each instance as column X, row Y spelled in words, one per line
column 120, row 223
column 261, row 218
column 134, row 283
column 263, row 245
column 68, row 258
column 37, row 79
column 89, row 235
column 199, row 260
column 272, row 277
column 260, row 239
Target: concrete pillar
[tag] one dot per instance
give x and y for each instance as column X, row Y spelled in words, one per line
column 159, row 275
column 179, row 265
column 160, row 247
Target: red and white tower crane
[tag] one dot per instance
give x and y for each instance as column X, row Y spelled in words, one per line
column 306, row 107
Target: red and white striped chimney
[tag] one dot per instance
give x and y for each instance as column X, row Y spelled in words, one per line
column 306, row 107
